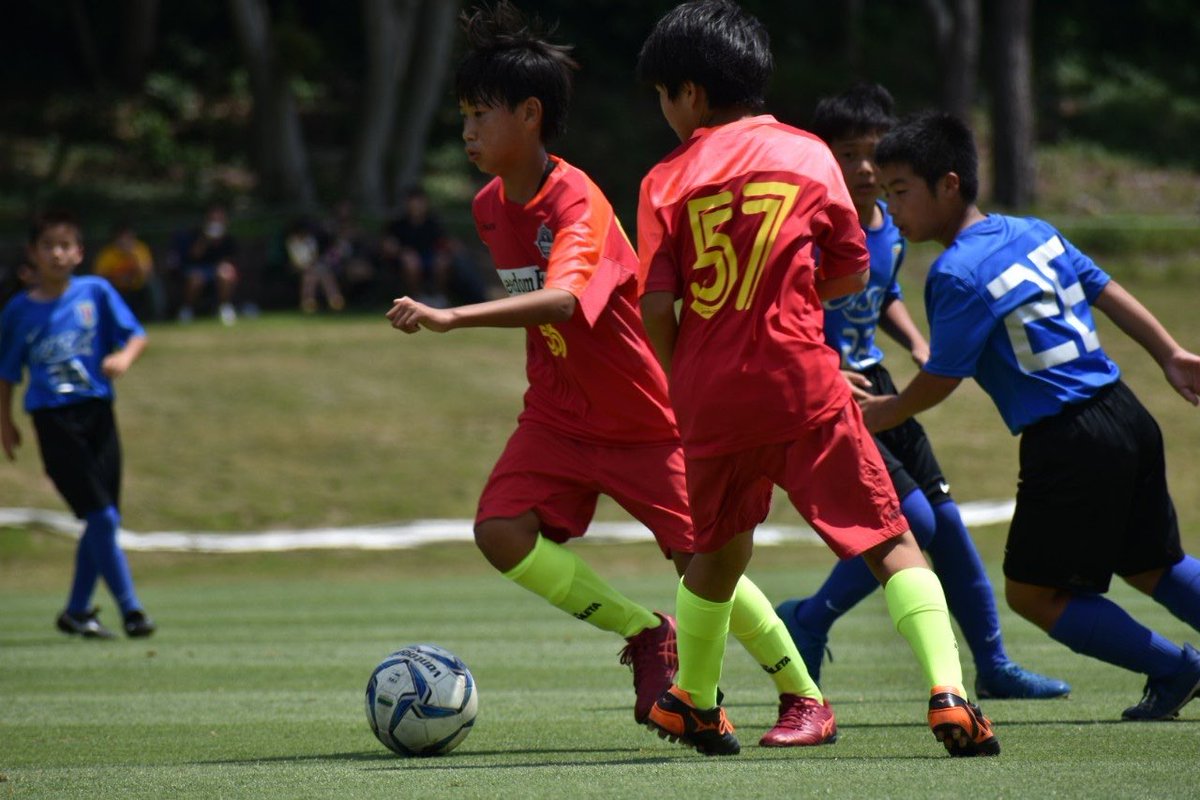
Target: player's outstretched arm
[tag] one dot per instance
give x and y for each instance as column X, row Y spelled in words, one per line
column 662, row 326
column 1181, row 368
column 10, row 436
column 924, row 391
column 897, row 323
column 833, row 288
column 117, row 364
column 540, row 307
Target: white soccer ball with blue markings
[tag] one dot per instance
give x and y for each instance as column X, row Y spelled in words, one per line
column 421, row 701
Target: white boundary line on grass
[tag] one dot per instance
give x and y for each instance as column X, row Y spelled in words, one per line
column 401, row 535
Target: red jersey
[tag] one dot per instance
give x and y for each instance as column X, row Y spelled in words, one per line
column 595, row 376
column 729, row 222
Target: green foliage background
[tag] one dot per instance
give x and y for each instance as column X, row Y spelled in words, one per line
column 158, row 148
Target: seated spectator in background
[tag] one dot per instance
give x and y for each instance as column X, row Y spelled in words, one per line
column 303, row 246
column 207, row 259
column 345, row 254
column 416, row 243
column 126, row 263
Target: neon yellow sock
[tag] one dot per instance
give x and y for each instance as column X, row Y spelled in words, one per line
column 701, row 629
column 753, row 622
column 555, row 573
column 918, row 608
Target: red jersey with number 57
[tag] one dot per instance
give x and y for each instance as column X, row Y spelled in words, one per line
column 729, row 222
column 595, row 376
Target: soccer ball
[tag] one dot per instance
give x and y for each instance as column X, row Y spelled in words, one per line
column 421, row 701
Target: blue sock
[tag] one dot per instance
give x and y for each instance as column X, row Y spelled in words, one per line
column 920, row 516
column 1097, row 627
column 852, row 580
column 84, row 581
column 968, row 590
column 101, row 538
column 1179, row 591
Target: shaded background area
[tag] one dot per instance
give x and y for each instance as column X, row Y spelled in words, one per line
column 146, row 111
column 142, row 106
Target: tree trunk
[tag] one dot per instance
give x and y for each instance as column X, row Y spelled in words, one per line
column 1012, row 104
column 956, row 32
column 139, row 31
column 281, row 158
column 427, row 80
column 852, row 45
column 389, row 27
column 85, row 40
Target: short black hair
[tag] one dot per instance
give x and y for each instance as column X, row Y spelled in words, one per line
column 509, row 60
column 861, row 110
column 933, row 144
column 714, row 44
column 52, row 219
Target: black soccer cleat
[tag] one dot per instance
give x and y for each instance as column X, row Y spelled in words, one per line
column 708, row 730
column 137, row 624
column 85, row 624
column 959, row 725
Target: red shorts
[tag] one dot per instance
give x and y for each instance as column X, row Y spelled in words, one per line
column 560, row 478
column 833, row 475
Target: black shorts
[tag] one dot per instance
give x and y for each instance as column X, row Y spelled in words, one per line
column 1092, row 497
column 906, row 450
column 81, row 453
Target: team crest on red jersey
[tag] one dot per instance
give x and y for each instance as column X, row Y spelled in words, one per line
column 544, row 240
column 85, row 314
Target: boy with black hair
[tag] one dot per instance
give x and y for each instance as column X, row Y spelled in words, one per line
column 596, row 417
column 75, row 336
column 851, row 124
column 1010, row 304
column 728, row 223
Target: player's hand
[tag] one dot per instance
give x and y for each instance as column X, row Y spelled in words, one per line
column 859, row 383
column 877, row 412
column 1183, row 373
column 409, row 316
column 10, row 439
column 115, row 364
column 920, row 354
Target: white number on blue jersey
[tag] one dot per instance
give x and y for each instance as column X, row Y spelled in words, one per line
column 69, row 376
column 1055, row 301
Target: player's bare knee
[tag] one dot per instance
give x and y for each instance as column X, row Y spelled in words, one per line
column 1145, row 582
column 1040, row 605
column 889, row 557
column 504, row 542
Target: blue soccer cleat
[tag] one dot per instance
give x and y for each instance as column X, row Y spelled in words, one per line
column 1165, row 696
column 812, row 646
column 1012, row 682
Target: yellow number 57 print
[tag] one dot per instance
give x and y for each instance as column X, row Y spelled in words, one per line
column 773, row 200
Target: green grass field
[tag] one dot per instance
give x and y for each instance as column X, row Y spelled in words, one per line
column 253, row 686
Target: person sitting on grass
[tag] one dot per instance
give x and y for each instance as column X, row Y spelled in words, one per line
column 1010, row 304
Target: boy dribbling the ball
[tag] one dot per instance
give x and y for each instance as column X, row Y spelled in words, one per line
column 596, row 416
